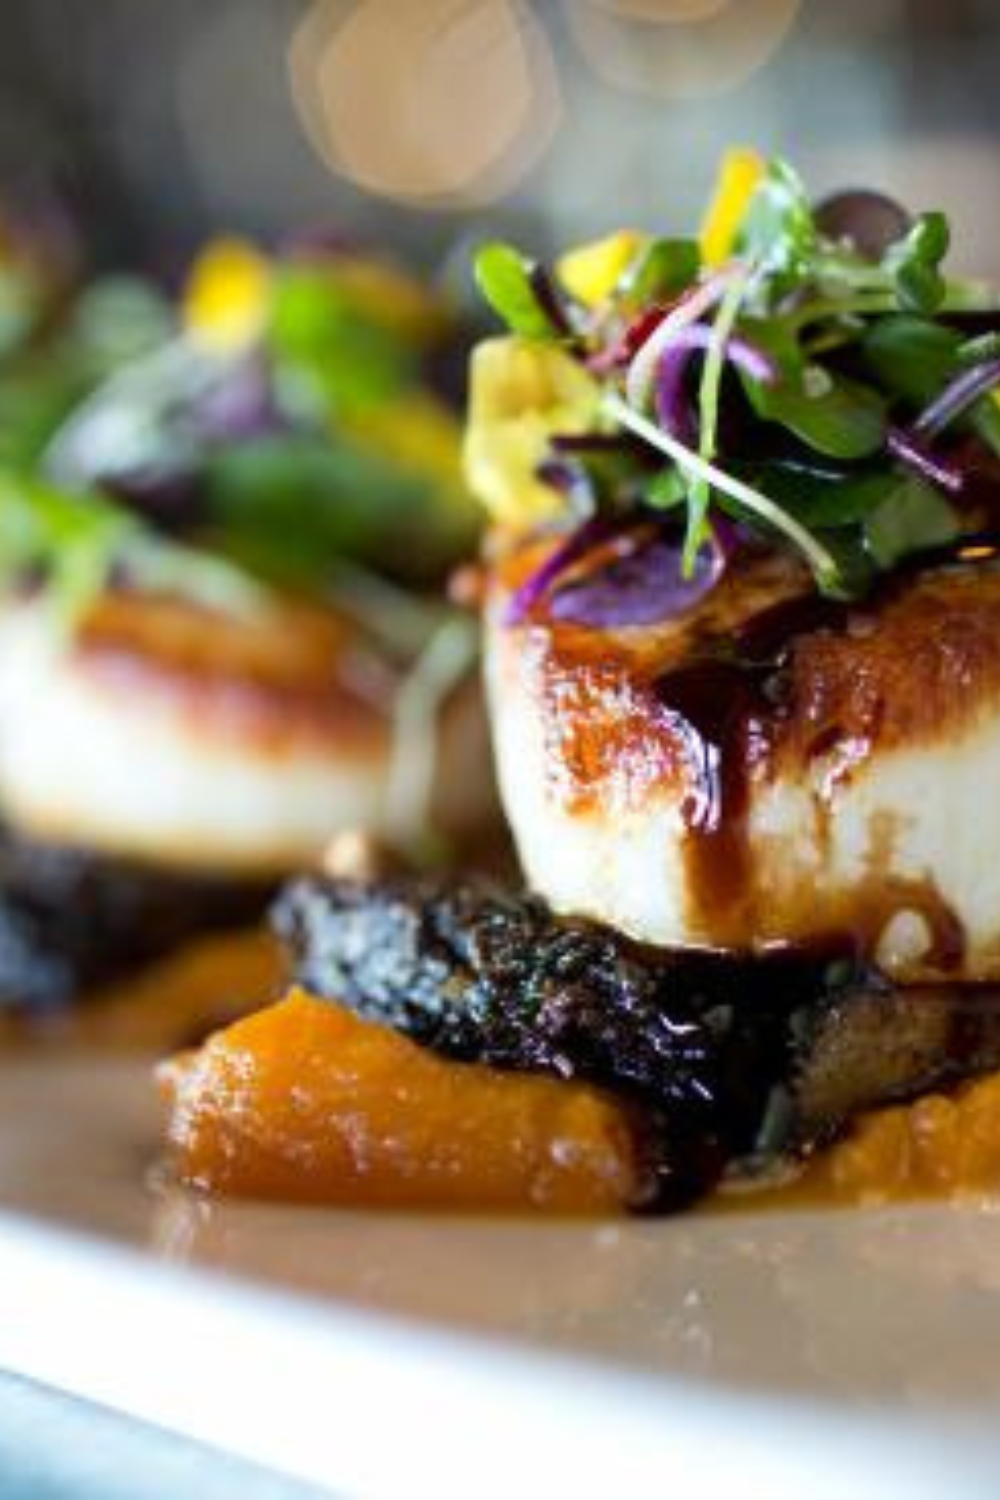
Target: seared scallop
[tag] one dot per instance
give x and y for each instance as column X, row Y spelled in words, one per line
column 768, row 769
column 167, row 733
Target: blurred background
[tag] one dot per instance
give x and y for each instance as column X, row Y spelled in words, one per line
column 425, row 123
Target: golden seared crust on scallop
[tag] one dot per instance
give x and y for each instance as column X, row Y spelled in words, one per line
column 768, row 769
column 294, row 673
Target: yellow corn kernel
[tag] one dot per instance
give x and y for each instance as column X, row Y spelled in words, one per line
column 227, row 295
column 591, row 272
column 521, row 393
column 739, row 174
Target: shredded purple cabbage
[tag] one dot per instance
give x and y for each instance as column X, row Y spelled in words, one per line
column 641, row 588
column 909, row 450
column 579, row 542
column 956, row 396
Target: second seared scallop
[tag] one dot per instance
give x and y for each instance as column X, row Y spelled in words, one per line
column 218, row 641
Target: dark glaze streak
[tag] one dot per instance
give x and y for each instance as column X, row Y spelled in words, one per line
column 716, row 710
column 728, row 705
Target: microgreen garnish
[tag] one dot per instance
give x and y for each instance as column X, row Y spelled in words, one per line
column 75, row 543
column 276, row 424
column 818, row 380
column 700, row 490
column 509, row 282
column 750, row 501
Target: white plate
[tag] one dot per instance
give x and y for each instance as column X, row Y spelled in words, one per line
column 742, row 1354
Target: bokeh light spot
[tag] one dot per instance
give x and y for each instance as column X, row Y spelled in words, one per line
column 681, row 49
column 447, row 103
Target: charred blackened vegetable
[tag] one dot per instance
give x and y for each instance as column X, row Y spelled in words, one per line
column 71, row 920
column 729, row 1061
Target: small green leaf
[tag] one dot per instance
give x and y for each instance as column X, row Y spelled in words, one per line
column 855, row 569
column 76, row 541
column 912, row 517
column 842, row 419
column 914, row 264
column 666, row 490
column 289, row 507
column 913, row 357
column 503, row 275
column 778, row 231
column 985, row 420
column 822, row 499
column 327, row 351
column 664, row 269
column 975, row 351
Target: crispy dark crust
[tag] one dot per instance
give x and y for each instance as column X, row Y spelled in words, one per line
column 729, row 1062
column 72, row 920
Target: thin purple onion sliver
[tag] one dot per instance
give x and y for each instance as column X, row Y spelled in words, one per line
column 956, row 396
column 671, row 404
column 909, row 450
column 672, row 407
column 644, row 587
column 549, row 300
column 579, row 542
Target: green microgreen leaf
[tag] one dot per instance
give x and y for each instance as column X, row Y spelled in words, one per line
column 504, row 276
column 328, row 355
column 911, row 356
column 289, row 507
column 912, row 517
column 834, row 416
column 856, row 570
column 778, row 232
column 975, row 351
column 663, row 270
column 914, row 264
column 823, row 499
column 700, row 494
column 748, row 499
column 77, row 541
column 666, row 490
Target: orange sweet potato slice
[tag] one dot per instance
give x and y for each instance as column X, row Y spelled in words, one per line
column 305, row 1101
